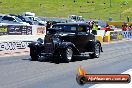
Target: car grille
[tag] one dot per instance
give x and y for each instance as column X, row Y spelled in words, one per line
column 49, row 48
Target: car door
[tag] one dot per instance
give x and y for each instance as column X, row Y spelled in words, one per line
column 82, row 37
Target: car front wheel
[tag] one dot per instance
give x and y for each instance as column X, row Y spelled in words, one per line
column 96, row 53
column 67, row 54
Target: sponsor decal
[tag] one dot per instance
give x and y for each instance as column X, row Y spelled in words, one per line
column 40, row 30
column 113, row 35
column 3, row 30
column 14, row 45
column 19, row 30
column 26, row 30
column 14, row 30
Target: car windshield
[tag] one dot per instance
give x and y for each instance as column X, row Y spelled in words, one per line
column 66, row 28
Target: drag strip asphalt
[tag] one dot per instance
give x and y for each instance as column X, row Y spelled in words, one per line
column 20, row 72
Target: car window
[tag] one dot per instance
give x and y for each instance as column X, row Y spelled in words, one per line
column 66, row 28
column 57, row 27
column 73, row 28
column 82, row 29
column 8, row 18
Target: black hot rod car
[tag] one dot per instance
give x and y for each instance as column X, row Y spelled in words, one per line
column 65, row 40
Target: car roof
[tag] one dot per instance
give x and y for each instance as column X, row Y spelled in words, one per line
column 73, row 23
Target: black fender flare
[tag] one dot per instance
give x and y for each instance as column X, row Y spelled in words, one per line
column 64, row 45
column 36, row 43
column 91, row 45
column 97, row 41
column 35, row 46
column 101, row 49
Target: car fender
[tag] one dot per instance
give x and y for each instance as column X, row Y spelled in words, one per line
column 97, row 41
column 35, row 44
column 64, row 45
column 91, row 46
column 101, row 49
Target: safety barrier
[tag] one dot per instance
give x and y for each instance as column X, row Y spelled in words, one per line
column 113, row 36
column 17, row 36
column 101, row 33
column 117, row 35
column 127, row 34
column 22, row 30
column 14, row 45
column 99, row 37
column 15, row 42
column 106, row 38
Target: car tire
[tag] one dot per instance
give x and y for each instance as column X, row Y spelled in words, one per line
column 96, row 53
column 34, row 54
column 67, row 54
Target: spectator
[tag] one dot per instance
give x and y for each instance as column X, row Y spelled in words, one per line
column 107, row 28
column 124, row 27
column 130, row 27
column 128, row 19
column 48, row 25
column 94, row 29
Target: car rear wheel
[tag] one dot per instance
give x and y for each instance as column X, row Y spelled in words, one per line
column 96, row 53
column 67, row 54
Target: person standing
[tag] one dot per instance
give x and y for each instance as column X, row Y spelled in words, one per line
column 48, row 25
column 130, row 27
column 94, row 29
column 124, row 27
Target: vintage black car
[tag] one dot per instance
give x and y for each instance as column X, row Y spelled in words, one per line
column 64, row 41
